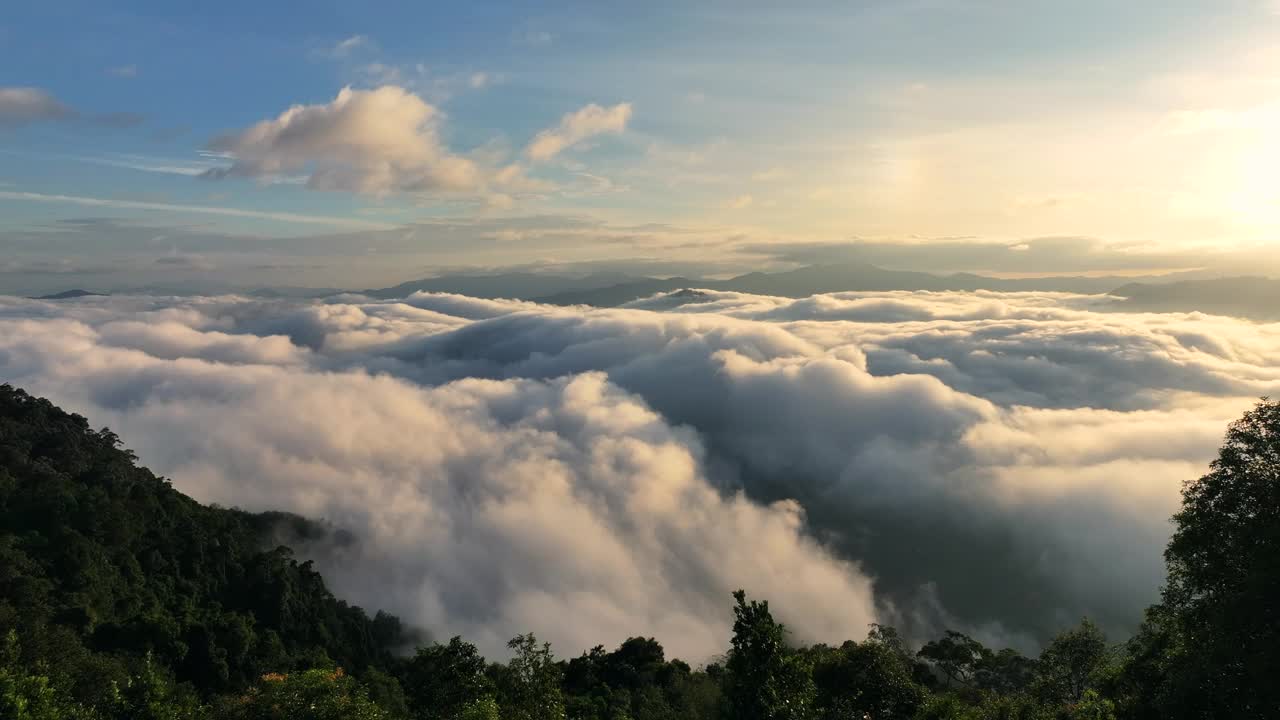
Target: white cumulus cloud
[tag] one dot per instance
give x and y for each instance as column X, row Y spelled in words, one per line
column 365, row 141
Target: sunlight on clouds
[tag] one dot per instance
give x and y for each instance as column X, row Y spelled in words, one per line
column 577, row 126
column 388, row 140
column 364, row 141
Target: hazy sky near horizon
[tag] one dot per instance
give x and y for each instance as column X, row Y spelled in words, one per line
column 362, row 144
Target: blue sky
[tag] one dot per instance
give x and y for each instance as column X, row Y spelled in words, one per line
column 1142, row 125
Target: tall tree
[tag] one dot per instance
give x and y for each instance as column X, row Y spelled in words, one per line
column 957, row 656
column 441, row 680
column 1223, row 590
column 764, row 679
column 529, row 685
column 867, row 679
column 1007, row 671
column 1068, row 665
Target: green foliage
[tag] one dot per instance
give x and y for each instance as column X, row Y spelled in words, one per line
column 957, row 656
column 307, row 695
column 151, row 694
column 636, row 682
column 1069, row 666
column 529, row 685
column 1092, row 706
column 1223, row 594
column 24, row 696
column 1007, row 671
column 485, row 708
column 443, row 680
column 765, row 679
column 870, row 678
column 99, row 556
column 986, row 706
column 1157, row 677
column 385, row 690
column 30, row 696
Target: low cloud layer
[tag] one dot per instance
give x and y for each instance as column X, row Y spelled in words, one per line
column 999, row 463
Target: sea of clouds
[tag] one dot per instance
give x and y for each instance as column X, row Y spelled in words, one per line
column 997, row 463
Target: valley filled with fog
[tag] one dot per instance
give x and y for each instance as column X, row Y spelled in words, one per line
column 997, row 463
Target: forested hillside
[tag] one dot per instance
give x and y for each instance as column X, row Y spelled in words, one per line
column 122, row 598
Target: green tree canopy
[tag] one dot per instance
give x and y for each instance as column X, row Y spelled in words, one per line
column 957, row 656
column 1221, row 616
column 870, row 678
column 306, row 695
column 764, row 679
column 442, row 680
column 529, row 685
column 1069, row 665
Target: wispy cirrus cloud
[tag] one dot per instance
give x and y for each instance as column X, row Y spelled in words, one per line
column 186, row 166
column 164, row 166
column 197, row 209
column 345, row 47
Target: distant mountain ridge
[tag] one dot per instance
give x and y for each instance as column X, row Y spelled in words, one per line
column 612, row 289
column 69, row 294
column 1251, row 297
column 1257, row 298
column 514, row 285
column 846, row 277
